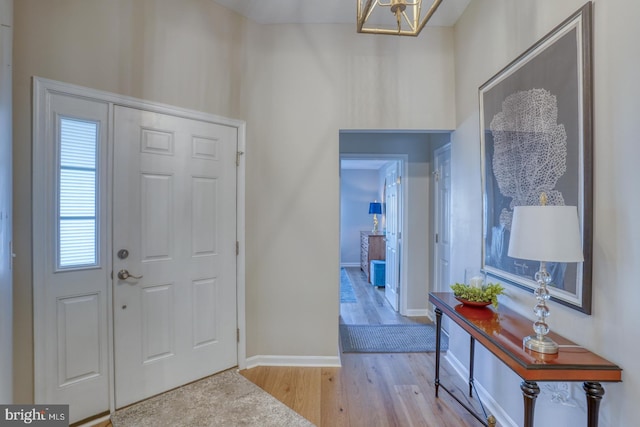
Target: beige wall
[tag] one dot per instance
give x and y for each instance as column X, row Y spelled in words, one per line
column 6, row 214
column 295, row 86
column 304, row 84
column 491, row 34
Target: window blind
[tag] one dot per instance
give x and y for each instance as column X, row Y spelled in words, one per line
column 77, row 194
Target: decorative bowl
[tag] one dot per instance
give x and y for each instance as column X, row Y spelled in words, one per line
column 473, row 303
column 476, row 296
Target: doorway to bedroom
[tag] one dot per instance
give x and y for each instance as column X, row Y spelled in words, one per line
column 375, row 166
column 370, row 238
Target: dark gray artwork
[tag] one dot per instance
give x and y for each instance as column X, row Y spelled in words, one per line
column 536, row 138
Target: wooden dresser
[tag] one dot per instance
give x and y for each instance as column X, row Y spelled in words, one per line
column 371, row 247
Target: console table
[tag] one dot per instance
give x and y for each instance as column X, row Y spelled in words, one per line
column 501, row 332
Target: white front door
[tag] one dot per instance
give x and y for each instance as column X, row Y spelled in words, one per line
column 174, row 216
column 392, row 234
column 442, row 175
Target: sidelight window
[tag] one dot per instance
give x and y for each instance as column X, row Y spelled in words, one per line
column 77, row 193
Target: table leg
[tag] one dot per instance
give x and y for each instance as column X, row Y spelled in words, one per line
column 438, row 336
column 594, row 392
column 530, row 391
column 472, row 346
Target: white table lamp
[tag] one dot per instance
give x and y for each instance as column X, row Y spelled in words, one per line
column 545, row 234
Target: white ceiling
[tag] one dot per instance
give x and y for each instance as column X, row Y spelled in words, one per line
column 326, row 11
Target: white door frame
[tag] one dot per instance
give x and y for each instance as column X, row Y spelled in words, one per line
column 42, row 88
column 404, row 188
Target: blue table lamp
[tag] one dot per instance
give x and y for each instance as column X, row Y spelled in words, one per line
column 375, row 208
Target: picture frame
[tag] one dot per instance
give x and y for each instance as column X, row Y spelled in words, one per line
column 536, row 136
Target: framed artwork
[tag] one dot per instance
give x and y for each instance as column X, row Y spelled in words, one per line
column 536, row 136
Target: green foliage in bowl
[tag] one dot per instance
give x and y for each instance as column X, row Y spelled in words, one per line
column 487, row 293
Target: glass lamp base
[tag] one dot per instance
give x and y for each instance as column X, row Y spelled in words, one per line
column 540, row 344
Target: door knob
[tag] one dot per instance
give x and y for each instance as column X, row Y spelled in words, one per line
column 124, row 275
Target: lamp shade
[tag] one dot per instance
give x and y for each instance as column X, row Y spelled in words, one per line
column 375, row 208
column 545, row 233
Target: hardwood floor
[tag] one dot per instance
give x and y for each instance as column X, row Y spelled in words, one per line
column 386, row 390
column 370, row 389
column 371, row 308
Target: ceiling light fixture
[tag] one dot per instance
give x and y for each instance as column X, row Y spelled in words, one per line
column 410, row 17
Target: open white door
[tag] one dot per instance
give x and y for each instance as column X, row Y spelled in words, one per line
column 392, row 234
column 442, row 174
column 174, row 214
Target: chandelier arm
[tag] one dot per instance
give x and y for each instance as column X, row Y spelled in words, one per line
column 413, row 24
column 388, row 31
column 364, row 13
column 430, row 12
column 371, row 10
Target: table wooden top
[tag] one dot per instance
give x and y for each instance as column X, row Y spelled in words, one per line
column 501, row 331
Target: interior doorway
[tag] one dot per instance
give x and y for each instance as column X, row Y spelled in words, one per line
column 370, row 252
column 414, row 150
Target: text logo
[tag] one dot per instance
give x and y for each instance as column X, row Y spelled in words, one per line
column 34, row 415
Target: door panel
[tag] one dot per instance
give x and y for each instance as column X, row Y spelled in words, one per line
column 174, row 212
column 443, row 218
column 392, row 273
column 78, row 338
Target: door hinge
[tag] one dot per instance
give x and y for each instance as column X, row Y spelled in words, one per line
column 12, row 256
column 238, row 335
column 436, row 237
column 436, row 175
column 238, row 154
column 237, row 248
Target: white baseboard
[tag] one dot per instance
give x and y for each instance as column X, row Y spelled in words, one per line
column 488, row 401
column 417, row 312
column 96, row 421
column 349, row 264
column 298, row 361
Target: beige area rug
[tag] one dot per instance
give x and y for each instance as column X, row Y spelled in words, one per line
column 227, row 399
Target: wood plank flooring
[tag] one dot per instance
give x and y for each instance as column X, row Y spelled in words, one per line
column 371, row 308
column 385, row 390
column 370, row 389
